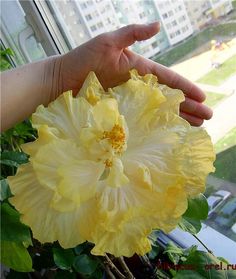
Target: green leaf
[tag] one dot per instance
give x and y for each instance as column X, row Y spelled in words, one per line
column 85, row 264
column 197, row 208
column 13, row 158
column 7, row 51
column 24, row 129
column 206, row 266
column 80, row 248
column 63, row 258
column 174, row 252
column 187, row 274
column 197, row 211
column 222, row 260
column 12, row 228
column 190, row 225
column 5, row 192
column 16, row 256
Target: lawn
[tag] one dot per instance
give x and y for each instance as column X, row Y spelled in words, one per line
column 226, row 142
column 178, row 52
column 219, row 75
column 225, row 164
column 213, row 98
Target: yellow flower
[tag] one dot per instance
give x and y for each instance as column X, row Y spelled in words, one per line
column 108, row 167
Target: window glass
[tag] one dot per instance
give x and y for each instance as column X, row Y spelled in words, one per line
column 18, row 34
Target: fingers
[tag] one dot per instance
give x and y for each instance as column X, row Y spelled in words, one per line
column 192, row 108
column 128, row 35
column 193, row 120
column 174, row 80
column 196, row 109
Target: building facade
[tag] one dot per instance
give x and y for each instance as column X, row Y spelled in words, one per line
column 202, row 11
column 85, row 19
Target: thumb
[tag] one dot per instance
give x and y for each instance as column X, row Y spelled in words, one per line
column 128, row 35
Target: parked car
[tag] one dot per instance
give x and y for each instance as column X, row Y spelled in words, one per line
column 229, row 209
column 233, row 228
column 217, row 199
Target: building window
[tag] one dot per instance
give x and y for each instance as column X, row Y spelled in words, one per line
column 170, row 13
column 177, row 33
column 100, row 25
column 83, row 5
column 165, row 15
column 88, row 17
column 93, row 28
column 174, row 23
column 95, row 14
column 154, row 45
column 142, row 15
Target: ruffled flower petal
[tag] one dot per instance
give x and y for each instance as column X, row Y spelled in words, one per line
column 109, row 167
column 66, row 116
column 79, row 180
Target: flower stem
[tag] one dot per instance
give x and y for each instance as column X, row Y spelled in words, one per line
column 114, row 268
column 127, row 271
column 208, row 250
column 109, row 272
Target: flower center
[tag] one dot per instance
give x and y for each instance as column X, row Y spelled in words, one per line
column 116, row 137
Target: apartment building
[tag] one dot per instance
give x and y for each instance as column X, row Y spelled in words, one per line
column 202, row 11
column 144, row 12
column 83, row 20
column 220, row 7
column 197, row 12
column 174, row 19
column 175, row 22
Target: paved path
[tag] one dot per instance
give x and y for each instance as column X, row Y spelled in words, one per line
column 215, row 89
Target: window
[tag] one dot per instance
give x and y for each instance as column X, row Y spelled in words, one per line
column 93, row 28
column 154, row 45
column 142, row 15
column 174, row 23
column 168, row 25
column 88, row 17
column 83, row 5
column 165, row 15
column 100, row 25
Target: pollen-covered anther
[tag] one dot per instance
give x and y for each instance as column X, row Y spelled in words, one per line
column 116, row 137
column 108, row 163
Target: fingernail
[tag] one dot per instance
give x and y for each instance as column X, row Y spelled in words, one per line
column 154, row 23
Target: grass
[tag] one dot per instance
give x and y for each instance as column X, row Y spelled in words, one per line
column 219, row 75
column 227, row 141
column 225, row 164
column 178, row 52
column 213, row 98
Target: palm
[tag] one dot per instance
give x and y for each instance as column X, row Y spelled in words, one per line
column 110, row 59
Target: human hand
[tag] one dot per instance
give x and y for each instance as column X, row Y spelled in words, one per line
column 107, row 55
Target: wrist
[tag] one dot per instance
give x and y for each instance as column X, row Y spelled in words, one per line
column 52, row 78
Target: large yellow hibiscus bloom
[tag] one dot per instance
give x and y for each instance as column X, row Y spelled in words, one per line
column 108, row 167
